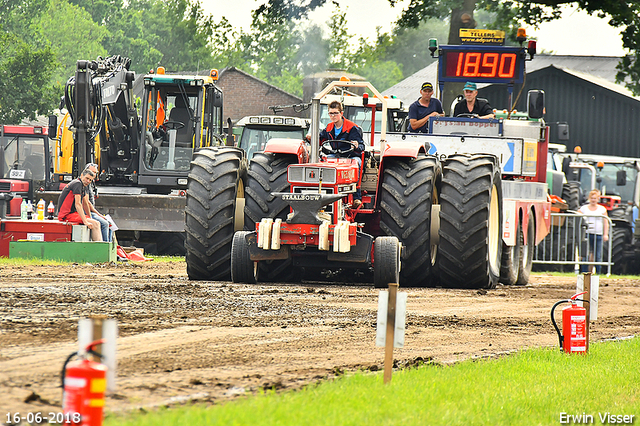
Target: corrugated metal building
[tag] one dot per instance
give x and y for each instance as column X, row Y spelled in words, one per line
column 603, row 117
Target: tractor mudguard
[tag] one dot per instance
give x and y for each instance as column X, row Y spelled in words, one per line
column 256, row 253
column 360, row 253
column 405, row 149
column 288, row 146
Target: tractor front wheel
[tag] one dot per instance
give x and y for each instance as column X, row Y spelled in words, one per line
column 386, row 267
column 243, row 269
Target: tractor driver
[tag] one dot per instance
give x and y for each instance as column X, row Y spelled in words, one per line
column 342, row 129
column 472, row 105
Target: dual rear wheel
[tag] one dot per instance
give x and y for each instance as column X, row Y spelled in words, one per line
column 468, row 190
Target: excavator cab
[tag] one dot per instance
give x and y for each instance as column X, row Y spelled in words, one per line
column 170, row 140
column 180, row 114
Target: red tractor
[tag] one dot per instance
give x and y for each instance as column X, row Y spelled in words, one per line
column 299, row 216
column 321, row 229
column 462, row 206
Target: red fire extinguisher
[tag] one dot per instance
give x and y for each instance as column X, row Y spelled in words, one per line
column 573, row 338
column 84, row 383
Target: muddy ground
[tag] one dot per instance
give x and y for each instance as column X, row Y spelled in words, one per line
column 211, row 341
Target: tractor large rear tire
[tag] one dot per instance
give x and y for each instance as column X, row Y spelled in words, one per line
column 620, row 239
column 571, row 195
column 407, row 193
column 470, row 222
column 268, row 173
column 171, row 243
column 215, row 181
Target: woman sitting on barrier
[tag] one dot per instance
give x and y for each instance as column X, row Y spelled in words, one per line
column 597, row 231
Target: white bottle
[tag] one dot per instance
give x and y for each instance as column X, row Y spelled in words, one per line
column 23, row 209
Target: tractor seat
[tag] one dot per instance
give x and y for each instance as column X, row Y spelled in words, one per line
column 182, row 112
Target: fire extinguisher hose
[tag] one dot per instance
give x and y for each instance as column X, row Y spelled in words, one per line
column 553, row 319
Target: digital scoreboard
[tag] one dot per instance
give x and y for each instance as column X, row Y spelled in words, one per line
column 481, row 64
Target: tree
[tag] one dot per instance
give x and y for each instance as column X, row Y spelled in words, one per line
column 178, row 30
column 275, row 44
column 410, row 46
column 510, row 13
column 369, row 62
column 26, row 63
column 71, row 39
column 25, row 80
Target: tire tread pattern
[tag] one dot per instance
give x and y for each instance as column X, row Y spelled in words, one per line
column 267, row 173
column 209, row 215
column 465, row 196
column 405, row 203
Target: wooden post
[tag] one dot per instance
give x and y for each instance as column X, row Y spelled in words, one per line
column 587, row 306
column 390, row 336
column 97, row 335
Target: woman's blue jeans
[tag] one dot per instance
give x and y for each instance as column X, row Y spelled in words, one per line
column 594, row 245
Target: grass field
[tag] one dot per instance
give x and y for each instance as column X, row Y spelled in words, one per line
column 533, row 387
column 38, row 261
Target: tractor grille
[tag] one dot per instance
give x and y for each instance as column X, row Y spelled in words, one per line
column 311, row 174
column 5, row 186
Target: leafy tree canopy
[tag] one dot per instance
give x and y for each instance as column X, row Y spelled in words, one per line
column 26, row 63
column 25, row 80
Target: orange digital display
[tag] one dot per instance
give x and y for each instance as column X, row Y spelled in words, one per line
column 497, row 64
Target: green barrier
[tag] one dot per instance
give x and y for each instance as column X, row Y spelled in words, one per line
column 91, row 252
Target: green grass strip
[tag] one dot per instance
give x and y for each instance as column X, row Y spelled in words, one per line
column 31, row 261
column 533, row 387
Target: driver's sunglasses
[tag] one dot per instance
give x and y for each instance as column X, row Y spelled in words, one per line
column 334, row 113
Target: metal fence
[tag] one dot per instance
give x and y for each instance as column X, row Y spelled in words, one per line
column 569, row 244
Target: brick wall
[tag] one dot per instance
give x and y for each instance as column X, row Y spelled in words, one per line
column 246, row 95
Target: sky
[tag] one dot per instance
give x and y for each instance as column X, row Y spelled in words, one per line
column 576, row 33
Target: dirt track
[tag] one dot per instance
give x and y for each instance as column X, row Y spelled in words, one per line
column 207, row 341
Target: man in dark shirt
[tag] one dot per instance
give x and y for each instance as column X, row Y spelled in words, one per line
column 73, row 204
column 424, row 108
column 472, row 105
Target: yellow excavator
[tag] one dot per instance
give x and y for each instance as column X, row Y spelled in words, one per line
column 142, row 144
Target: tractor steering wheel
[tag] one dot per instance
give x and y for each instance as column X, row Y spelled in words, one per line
column 327, row 149
column 173, row 125
column 468, row 115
